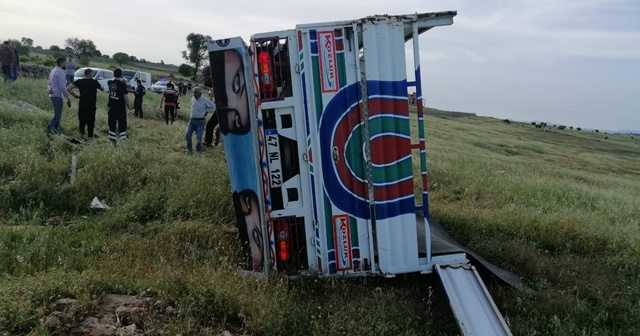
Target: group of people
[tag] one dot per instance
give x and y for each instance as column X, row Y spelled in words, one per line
column 118, row 101
column 60, row 88
column 10, row 59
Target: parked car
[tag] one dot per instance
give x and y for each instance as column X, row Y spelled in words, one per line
column 160, row 86
column 132, row 75
column 99, row 74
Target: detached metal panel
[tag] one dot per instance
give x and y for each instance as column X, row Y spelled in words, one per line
column 471, row 303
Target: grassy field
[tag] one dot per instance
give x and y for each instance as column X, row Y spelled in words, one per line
column 559, row 208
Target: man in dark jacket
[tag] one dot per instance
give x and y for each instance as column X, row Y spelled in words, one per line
column 137, row 100
column 6, row 57
column 118, row 106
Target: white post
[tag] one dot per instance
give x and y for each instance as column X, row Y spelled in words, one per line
column 74, row 166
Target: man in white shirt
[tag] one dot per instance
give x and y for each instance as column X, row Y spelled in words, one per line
column 200, row 106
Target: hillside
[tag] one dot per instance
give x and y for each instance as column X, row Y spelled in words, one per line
column 38, row 55
column 560, row 208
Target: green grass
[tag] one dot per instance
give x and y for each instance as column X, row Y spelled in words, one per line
column 559, row 208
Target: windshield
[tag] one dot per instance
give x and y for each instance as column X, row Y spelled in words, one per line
column 128, row 74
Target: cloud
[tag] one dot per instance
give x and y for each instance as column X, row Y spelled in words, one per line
column 522, row 59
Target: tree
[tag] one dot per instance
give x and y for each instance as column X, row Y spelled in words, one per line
column 196, row 50
column 185, row 70
column 161, row 62
column 570, row 127
column 27, row 41
column 578, row 129
column 597, row 131
column 121, row 58
column 105, row 56
column 133, row 58
column 97, row 53
column 562, row 127
column 81, row 47
column 84, row 61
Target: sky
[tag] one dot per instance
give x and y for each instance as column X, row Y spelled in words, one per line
column 571, row 62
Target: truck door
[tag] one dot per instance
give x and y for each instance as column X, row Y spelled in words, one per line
column 333, row 115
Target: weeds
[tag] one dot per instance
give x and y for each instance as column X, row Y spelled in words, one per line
column 559, row 209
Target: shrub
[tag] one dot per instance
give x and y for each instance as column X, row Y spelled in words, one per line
column 606, row 137
column 597, row 131
column 562, row 127
column 24, row 58
column 506, row 121
column 570, row 127
column 578, row 129
column 48, row 61
column 84, row 61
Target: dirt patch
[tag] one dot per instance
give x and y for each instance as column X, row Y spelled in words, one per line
column 112, row 315
column 116, row 315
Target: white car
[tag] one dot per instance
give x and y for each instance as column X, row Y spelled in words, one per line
column 160, row 86
column 101, row 75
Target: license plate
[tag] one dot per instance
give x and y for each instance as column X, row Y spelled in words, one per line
column 273, row 158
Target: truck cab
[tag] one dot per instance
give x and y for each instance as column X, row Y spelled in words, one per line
column 327, row 162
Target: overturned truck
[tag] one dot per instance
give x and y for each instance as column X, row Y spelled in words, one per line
column 327, row 163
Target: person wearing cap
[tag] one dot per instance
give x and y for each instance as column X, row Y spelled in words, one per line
column 200, row 106
column 71, row 70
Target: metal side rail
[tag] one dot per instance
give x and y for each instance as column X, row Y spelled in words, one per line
column 473, row 307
